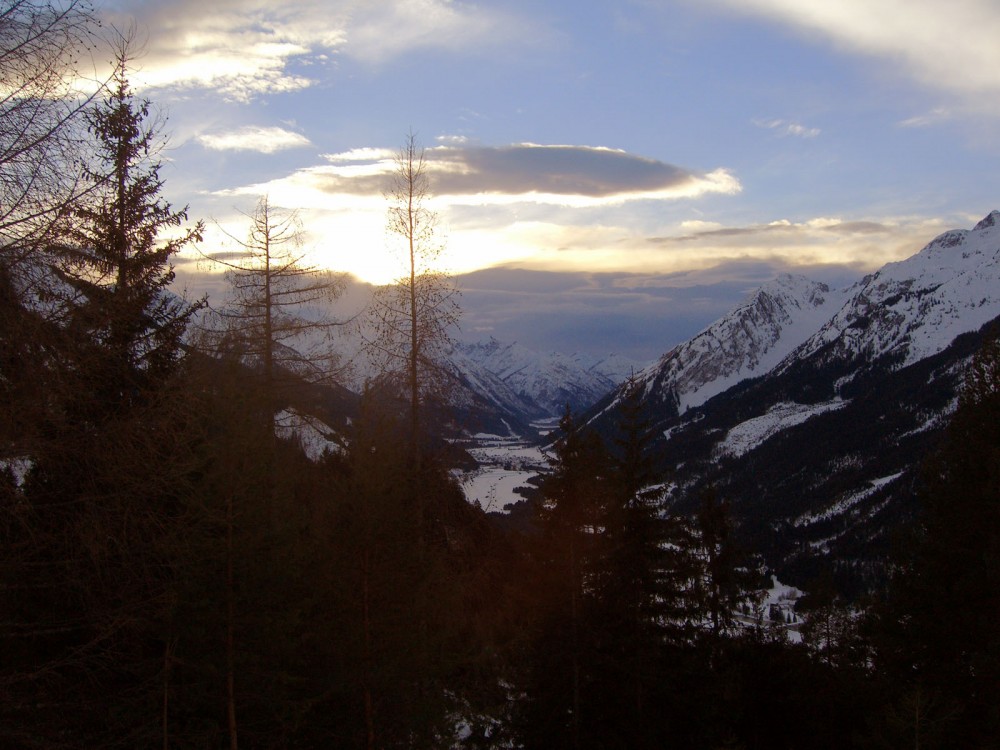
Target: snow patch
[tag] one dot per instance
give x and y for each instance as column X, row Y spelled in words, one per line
column 505, row 464
column 846, row 503
column 18, row 467
column 312, row 435
column 746, row 436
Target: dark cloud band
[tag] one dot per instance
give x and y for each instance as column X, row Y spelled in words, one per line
column 557, row 170
column 525, row 169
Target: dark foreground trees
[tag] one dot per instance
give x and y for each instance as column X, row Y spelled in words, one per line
column 174, row 575
column 939, row 645
column 276, row 316
column 87, row 578
column 43, row 46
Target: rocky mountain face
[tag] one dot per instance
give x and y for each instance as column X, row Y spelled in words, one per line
column 532, row 384
column 811, row 409
column 499, row 388
column 750, row 341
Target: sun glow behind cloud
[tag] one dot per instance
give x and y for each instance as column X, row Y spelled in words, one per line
column 561, row 208
column 539, row 205
column 527, row 203
column 502, row 218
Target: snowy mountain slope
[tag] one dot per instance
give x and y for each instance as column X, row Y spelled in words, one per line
column 819, row 469
column 747, row 435
column 916, row 307
column 816, row 437
column 488, row 402
column 551, row 380
column 905, row 311
column 752, row 339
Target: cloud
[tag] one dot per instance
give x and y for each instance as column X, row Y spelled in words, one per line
column 658, row 291
column 581, row 171
column 785, row 128
column 570, row 208
column 241, row 49
column 584, row 311
column 576, row 176
column 265, row 140
column 244, row 49
column 524, row 202
column 639, row 315
column 947, row 46
column 780, row 227
column 378, row 31
column 935, row 116
column 864, row 244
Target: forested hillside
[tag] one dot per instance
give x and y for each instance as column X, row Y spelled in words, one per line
column 177, row 572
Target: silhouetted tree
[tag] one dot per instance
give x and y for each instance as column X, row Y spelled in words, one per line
column 411, row 319
column 95, row 520
column 635, row 596
column 118, row 260
column 567, row 555
column 42, row 43
column 939, row 641
column 277, row 316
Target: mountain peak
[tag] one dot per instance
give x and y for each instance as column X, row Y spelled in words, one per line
column 756, row 335
column 990, row 221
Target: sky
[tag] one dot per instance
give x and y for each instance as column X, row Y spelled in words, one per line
column 608, row 176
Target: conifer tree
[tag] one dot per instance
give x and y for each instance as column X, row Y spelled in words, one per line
column 635, row 532
column 118, row 255
column 568, row 555
column 101, row 504
column 634, row 594
column 939, row 640
column 724, row 582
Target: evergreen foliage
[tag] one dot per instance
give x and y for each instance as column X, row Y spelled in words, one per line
column 117, row 260
column 939, row 642
column 93, row 526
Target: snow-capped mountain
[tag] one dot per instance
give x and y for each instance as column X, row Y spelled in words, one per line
column 751, row 340
column 811, row 409
column 907, row 310
column 916, row 307
column 502, row 388
column 546, row 382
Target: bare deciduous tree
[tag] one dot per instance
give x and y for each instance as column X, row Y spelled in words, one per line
column 42, row 45
column 411, row 319
column 41, row 133
column 278, row 315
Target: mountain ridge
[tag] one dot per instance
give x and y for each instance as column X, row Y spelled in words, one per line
column 922, row 303
column 547, row 382
column 818, row 451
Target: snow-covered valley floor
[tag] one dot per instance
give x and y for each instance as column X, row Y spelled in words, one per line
column 505, row 464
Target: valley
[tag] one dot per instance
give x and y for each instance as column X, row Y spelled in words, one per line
column 507, row 464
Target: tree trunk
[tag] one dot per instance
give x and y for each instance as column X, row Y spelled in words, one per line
column 367, row 626
column 168, row 660
column 230, row 629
